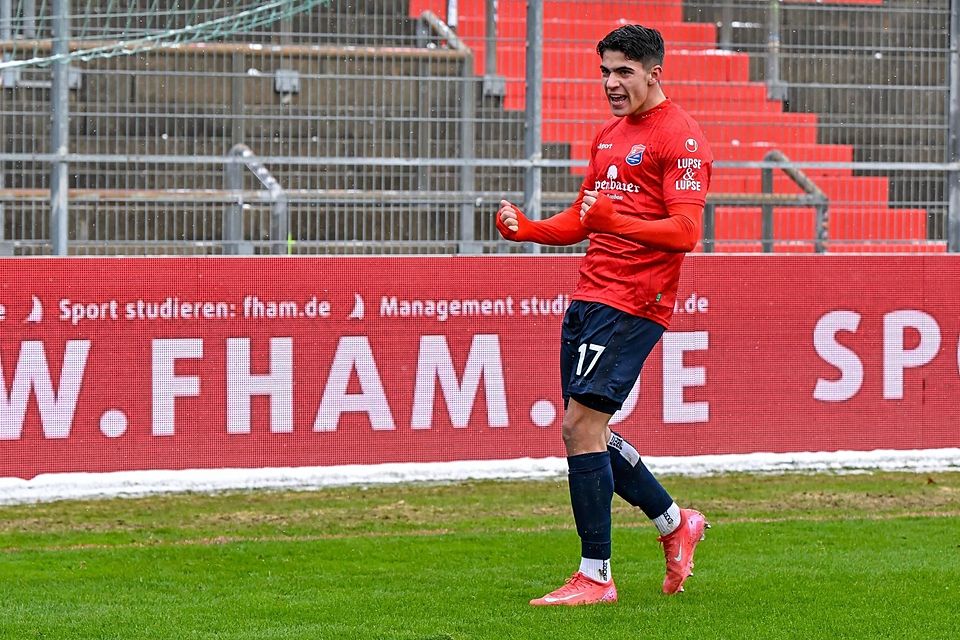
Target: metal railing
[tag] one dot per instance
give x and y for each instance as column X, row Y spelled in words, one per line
column 415, row 111
column 812, row 196
column 233, row 232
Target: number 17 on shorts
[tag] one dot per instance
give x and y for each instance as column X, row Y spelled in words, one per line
column 602, row 353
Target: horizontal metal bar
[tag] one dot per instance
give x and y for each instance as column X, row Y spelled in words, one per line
column 341, row 196
column 144, row 195
column 284, row 50
column 450, row 162
column 856, row 166
column 706, row 84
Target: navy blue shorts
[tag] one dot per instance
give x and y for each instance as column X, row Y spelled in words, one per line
column 601, row 354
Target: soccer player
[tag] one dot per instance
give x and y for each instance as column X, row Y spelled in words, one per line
column 641, row 206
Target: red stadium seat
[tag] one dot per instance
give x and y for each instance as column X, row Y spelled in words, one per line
column 741, row 123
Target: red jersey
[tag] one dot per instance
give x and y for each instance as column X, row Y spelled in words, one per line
column 643, row 164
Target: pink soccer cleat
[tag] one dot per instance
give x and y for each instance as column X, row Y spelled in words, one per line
column 579, row 589
column 678, row 549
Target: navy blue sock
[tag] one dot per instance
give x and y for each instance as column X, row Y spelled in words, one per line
column 633, row 481
column 591, row 493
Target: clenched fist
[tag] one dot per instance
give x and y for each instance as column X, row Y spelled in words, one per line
column 589, row 198
column 509, row 216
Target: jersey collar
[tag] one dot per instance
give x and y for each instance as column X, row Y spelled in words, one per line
column 640, row 117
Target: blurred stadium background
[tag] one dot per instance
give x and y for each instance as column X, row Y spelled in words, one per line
column 395, row 126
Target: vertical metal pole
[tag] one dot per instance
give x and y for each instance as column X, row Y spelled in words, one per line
column 953, row 177
column 423, row 112
column 493, row 85
column 60, row 127
column 533, row 116
column 6, row 20
column 6, row 34
column 490, row 42
column 726, row 25
column 279, row 223
column 238, row 73
column 775, row 88
column 233, row 217
column 286, row 30
column 766, row 212
column 709, row 227
column 452, row 17
column 468, row 153
column 823, row 229
column 29, row 24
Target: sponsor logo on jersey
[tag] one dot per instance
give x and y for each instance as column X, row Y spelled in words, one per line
column 687, row 163
column 613, row 184
column 635, row 156
column 605, row 145
column 691, row 145
column 689, row 181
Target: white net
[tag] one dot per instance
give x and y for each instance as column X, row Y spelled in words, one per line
column 106, row 28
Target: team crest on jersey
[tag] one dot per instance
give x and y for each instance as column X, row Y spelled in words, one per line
column 635, row 156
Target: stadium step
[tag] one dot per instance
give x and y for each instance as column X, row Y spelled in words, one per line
column 578, row 59
column 635, row 11
column 755, row 152
column 586, row 92
column 589, row 31
column 865, row 246
column 719, row 136
column 845, row 223
column 836, row 188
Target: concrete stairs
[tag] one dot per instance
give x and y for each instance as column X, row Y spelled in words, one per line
column 873, row 72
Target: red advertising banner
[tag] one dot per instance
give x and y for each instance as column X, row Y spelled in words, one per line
column 177, row 363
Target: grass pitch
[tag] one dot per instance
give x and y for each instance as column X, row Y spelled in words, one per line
column 789, row 556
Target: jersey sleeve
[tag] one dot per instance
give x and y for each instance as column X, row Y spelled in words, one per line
column 687, row 168
column 590, row 178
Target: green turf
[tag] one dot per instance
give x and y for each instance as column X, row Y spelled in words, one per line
column 795, row 556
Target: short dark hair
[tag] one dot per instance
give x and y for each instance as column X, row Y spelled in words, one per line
column 636, row 42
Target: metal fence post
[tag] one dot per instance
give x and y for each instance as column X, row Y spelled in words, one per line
column 60, row 128
column 233, row 217
column 823, row 221
column 6, row 20
column 493, row 85
column 423, row 108
column 776, row 90
column 233, row 223
column 726, row 26
column 237, row 76
column 468, row 153
column 709, row 227
column 533, row 116
column 6, row 33
column 280, row 226
column 953, row 176
column 766, row 211
column 453, row 19
column 29, row 24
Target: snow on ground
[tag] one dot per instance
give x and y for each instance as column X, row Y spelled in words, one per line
column 63, row 486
